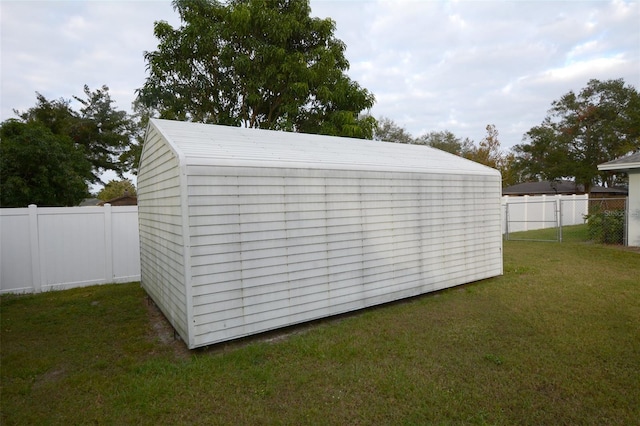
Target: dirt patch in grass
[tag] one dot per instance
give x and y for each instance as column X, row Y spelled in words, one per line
column 51, row 376
column 163, row 331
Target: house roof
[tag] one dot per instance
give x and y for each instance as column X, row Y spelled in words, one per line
column 124, row 200
column 89, row 202
column 545, row 187
column 557, row 187
column 630, row 162
column 207, row 144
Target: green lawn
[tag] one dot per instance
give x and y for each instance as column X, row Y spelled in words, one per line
column 556, row 340
column 574, row 233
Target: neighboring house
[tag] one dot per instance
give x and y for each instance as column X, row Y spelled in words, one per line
column 125, row 200
column 562, row 187
column 631, row 165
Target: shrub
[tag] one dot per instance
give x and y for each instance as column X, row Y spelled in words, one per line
column 606, row 226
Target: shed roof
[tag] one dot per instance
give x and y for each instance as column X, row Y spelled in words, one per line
column 206, row 144
column 624, row 163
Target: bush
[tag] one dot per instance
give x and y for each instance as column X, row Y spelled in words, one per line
column 606, row 226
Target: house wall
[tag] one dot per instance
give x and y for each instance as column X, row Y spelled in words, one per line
column 633, row 229
column 270, row 247
column 162, row 266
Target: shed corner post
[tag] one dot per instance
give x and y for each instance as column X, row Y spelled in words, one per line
column 186, row 246
column 34, row 245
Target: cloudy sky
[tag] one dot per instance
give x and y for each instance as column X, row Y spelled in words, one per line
column 432, row 65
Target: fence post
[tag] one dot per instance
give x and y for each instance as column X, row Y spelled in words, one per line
column 526, row 212
column 559, row 221
column 34, row 245
column 503, row 214
column 506, row 219
column 108, row 243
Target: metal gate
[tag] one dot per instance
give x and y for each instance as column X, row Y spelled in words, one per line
column 545, row 220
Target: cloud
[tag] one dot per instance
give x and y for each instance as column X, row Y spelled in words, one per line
column 462, row 65
column 56, row 47
column 432, row 65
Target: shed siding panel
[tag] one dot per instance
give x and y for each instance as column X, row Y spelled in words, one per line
column 272, row 247
column 160, row 224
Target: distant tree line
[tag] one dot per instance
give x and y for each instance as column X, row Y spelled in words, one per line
column 271, row 65
column 488, row 151
column 581, row 130
column 596, row 125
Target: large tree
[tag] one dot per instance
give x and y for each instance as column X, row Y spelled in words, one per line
column 596, row 125
column 105, row 133
column 389, row 131
column 116, row 188
column 40, row 167
column 490, row 153
column 487, row 152
column 447, row 141
column 255, row 63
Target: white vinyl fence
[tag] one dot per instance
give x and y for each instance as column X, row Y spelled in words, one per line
column 527, row 213
column 54, row 248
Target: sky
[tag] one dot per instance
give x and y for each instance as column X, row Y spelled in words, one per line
column 432, row 65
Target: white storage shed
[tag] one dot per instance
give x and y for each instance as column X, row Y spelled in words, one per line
column 245, row 230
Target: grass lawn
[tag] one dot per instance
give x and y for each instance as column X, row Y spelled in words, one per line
column 556, row 340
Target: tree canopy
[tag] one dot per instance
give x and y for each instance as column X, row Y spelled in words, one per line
column 105, row 133
column 447, row 141
column 116, row 188
column 255, row 63
column 38, row 166
column 596, row 125
column 487, row 152
column 389, row 131
column 52, row 153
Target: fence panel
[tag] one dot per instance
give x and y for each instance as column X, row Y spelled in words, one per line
column 532, row 215
column 606, row 219
column 126, row 245
column 50, row 248
column 528, row 213
column 15, row 251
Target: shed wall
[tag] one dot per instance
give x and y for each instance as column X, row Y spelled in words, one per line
column 272, row 247
column 162, row 270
